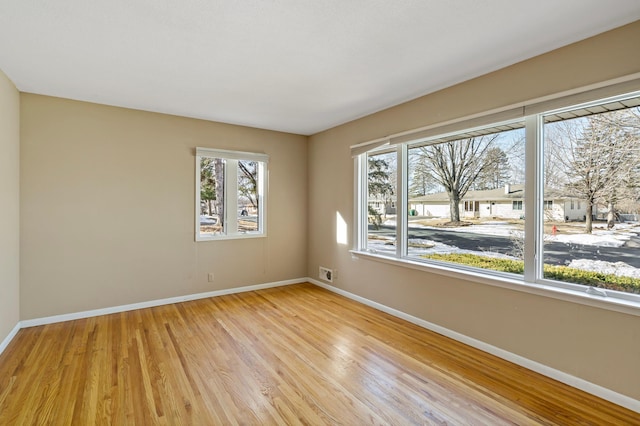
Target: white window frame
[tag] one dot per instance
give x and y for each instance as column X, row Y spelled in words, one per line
column 532, row 281
column 231, row 193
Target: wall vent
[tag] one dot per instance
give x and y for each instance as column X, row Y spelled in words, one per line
column 325, row 274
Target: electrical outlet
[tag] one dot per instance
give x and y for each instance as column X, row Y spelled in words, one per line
column 210, row 277
column 325, row 274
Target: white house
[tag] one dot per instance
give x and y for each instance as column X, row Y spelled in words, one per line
column 505, row 203
column 383, row 206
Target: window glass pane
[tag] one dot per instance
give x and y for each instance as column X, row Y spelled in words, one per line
column 381, row 207
column 592, row 185
column 466, row 200
column 248, row 214
column 211, row 196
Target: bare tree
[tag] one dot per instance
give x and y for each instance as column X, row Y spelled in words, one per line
column 599, row 156
column 624, row 126
column 554, row 151
column 515, row 151
column 248, row 181
column 456, row 165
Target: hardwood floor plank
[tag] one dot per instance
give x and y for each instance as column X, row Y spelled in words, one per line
column 290, row 355
column 306, row 360
column 388, row 387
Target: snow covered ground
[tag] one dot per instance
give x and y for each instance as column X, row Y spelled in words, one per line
column 600, row 236
column 499, row 229
column 617, row 268
column 386, row 246
column 208, row 220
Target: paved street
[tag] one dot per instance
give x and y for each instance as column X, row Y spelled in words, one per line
column 555, row 253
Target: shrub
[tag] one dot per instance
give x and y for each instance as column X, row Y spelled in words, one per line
column 560, row 273
column 485, row 262
column 374, row 217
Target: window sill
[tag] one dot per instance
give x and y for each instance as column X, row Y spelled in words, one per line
column 231, row 237
column 545, row 290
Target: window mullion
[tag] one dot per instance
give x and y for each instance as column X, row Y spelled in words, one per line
column 362, row 198
column 231, row 197
column 262, row 200
column 401, row 201
column 198, row 199
column 533, row 230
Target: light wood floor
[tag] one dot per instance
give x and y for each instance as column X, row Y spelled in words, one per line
column 290, row 355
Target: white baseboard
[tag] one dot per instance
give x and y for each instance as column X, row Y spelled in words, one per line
column 9, row 338
column 576, row 382
column 123, row 308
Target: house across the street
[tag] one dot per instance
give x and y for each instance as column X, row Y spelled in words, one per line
column 505, row 203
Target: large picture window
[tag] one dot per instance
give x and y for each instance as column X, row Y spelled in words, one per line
column 592, row 156
column 230, row 194
column 465, row 201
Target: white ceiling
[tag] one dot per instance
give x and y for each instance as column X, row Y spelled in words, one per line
column 298, row 66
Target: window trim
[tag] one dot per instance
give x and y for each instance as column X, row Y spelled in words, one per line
column 532, row 281
column 560, row 292
column 231, row 185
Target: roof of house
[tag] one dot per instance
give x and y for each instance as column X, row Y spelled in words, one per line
column 515, row 192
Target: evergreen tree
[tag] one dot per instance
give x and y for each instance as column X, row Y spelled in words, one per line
column 207, row 184
column 421, row 182
column 496, row 172
column 379, row 185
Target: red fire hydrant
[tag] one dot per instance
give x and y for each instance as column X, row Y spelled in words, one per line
column 554, row 230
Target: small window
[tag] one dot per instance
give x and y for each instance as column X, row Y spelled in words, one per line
column 517, row 205
column 548, row 204
column 230, row 194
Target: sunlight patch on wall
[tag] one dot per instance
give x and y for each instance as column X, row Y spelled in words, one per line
column 341, row 230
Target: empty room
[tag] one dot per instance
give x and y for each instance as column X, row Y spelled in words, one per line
column 332, row 212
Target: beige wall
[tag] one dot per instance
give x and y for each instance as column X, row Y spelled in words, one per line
column 9, row 206
column 597, row 345
column 107, row 208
